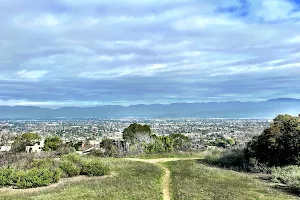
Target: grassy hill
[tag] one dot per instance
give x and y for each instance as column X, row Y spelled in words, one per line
column 192, row 180
column 129, row 180
column 133, row 179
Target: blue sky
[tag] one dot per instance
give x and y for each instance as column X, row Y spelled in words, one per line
column 94, row 52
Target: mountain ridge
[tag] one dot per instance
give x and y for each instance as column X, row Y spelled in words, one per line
column 229, row 109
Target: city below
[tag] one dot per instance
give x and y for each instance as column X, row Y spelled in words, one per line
column 202, row 132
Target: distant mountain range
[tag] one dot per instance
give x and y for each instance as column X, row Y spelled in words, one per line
column 232, row 109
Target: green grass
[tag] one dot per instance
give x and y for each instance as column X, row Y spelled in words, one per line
column 191, row 180
column 137, row 180
column 132, row 180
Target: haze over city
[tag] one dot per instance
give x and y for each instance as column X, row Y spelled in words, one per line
column 88, row 53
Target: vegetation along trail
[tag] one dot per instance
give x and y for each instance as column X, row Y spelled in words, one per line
column 166, row 177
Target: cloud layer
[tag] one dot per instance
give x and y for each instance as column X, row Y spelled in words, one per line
column 91, row 52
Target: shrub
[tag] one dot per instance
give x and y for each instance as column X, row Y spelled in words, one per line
column 46, row 163
column 228, row 158
column 237, row 160
column 21, row 180
column 255, row 167
column 289, row 175
column 94, row 167
column 6, row 176
column 69, row 168
column 57, row 173
column 35, row 177
column 97, row 153
column 73, row 157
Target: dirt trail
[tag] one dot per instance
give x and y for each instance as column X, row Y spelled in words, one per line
column 166, row 178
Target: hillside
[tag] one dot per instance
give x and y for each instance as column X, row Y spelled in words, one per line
column 163, row 178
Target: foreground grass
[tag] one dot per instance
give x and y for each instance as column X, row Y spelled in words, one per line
column 132, row 180
column 191, row 180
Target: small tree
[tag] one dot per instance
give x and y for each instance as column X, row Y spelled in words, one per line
column 109, row 147
column 134, row 131
column 24, row 140
column 181, row 142
column 53, row 143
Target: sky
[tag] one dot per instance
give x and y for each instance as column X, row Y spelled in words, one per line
column 58, row 53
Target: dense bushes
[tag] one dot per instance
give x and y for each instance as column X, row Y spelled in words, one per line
column 36, row 177
column 73, row 165
column 46, row 171
column 289, row 175
column 6, row 176
column 235, row 159
column 94, row 167
column 69, row 168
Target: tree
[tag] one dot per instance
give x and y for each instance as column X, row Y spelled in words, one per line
column 181, row 142
column 53, row 143
column 160, row 144
column 278, row 145
column 109, row 147
column 24, row 140
column 131, row 133
column 4, row 136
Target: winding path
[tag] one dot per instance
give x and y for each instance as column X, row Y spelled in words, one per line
column 166, row 178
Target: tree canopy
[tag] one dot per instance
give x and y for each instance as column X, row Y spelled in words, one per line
column 279, row 144
column 130, row 133
column 181, row 142
column 24, row 140
column 52, row 143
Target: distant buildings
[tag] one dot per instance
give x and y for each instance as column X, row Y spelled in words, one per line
column 36, row 148
column 5, row 148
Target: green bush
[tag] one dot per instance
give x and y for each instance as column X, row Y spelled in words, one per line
column 43, row 163
column 73, row 157
column 43, row 172
column 57, row 173
column 35, row 177
column 226, row 158
column 235, row 159
column 6, row 176
column 289, row 175
column 94, row 167
column 20, row 179
column 69, row 168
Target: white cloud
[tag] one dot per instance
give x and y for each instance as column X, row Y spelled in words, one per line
column 201, row 22
column 273, row 10
column 35, row 74
column 139, row 44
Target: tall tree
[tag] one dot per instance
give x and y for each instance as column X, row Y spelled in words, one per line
column 279, row 144
column 134, row 131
